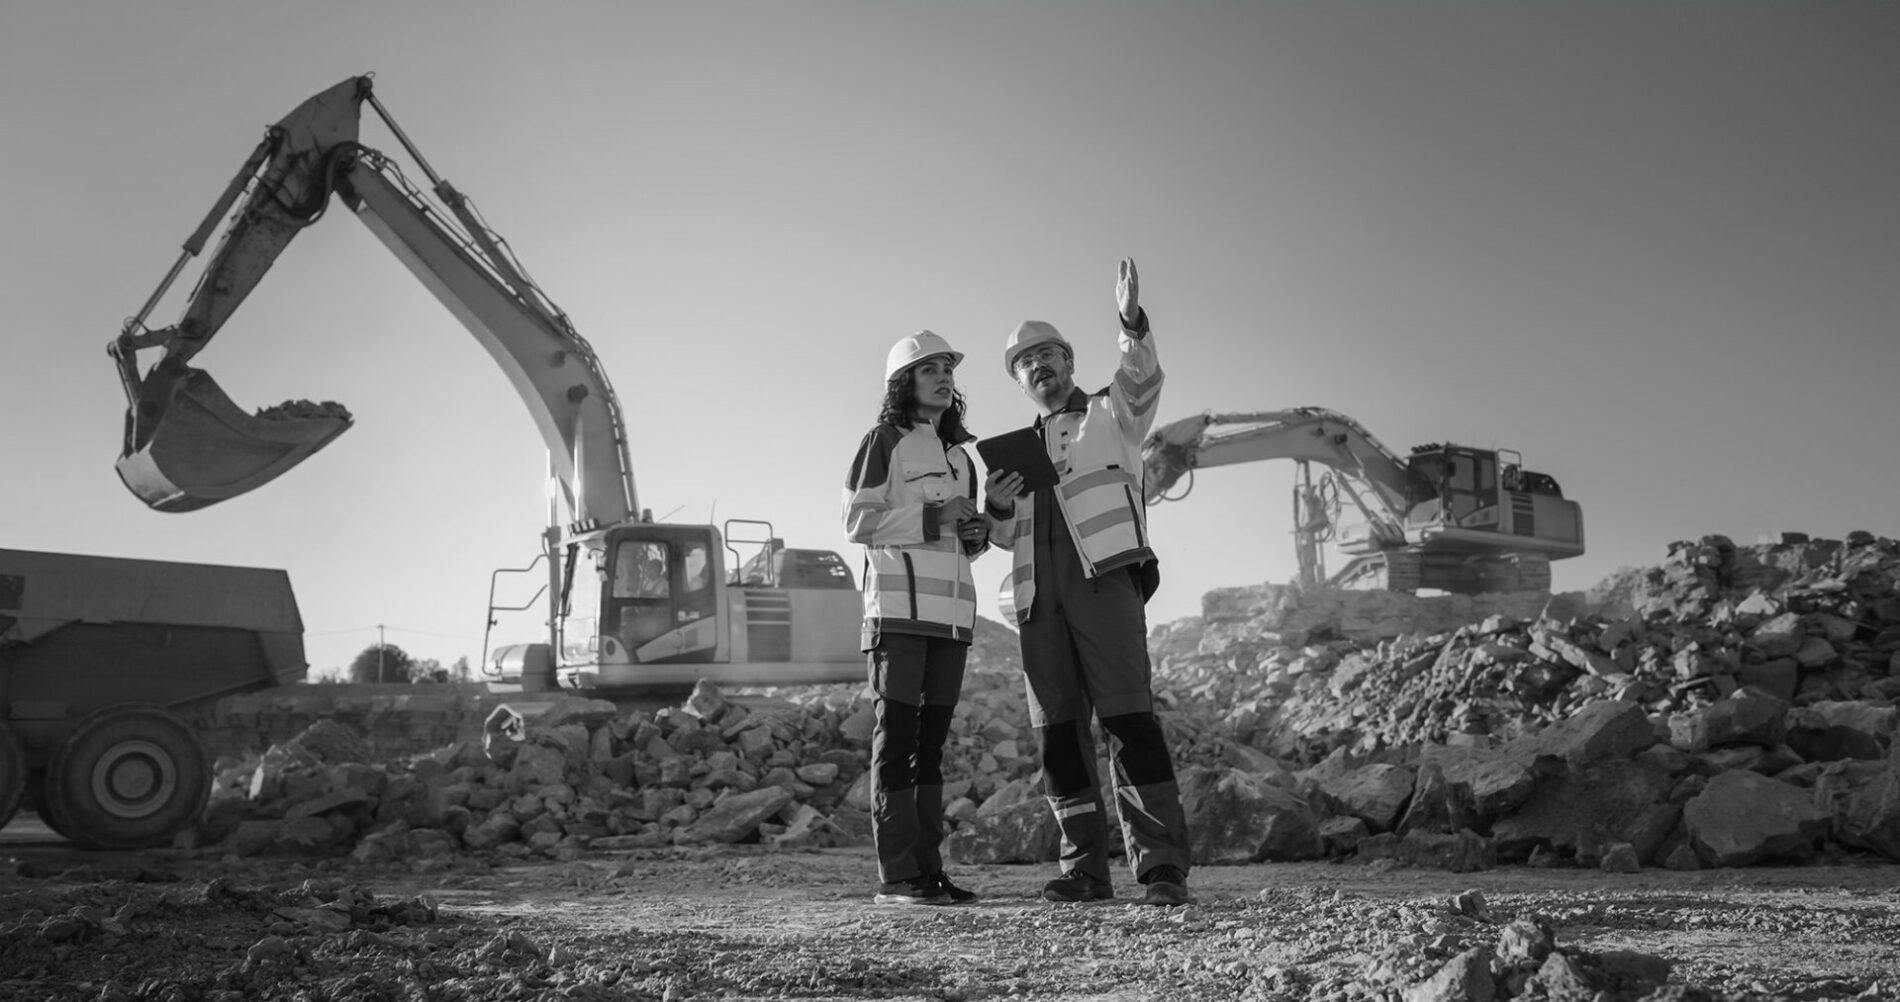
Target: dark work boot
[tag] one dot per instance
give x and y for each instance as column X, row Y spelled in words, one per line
column 920, row 890
column 1167, row 885
column 956, row 895
column 1074, row 885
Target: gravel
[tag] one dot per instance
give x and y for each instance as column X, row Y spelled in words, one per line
column 738, row 922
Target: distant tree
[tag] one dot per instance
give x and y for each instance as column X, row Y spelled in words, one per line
column 382, row 663
column 460, row 671
column 429, row 671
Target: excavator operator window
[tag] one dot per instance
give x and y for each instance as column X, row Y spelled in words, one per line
column 1472, row 483
column 581, row 603
column 1425, row 475
column 698, row 566
column 640, row 606
column 696, row 598
column 640, row 570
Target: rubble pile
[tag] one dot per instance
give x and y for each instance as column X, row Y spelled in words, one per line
column 553, row 779
column 1735, row 704
column 1732, row 705
column 1807, row 621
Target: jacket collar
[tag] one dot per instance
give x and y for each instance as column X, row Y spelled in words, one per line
column 1078, row 403
column 931, row 431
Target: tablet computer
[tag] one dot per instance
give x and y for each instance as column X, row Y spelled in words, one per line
column 1020, row 451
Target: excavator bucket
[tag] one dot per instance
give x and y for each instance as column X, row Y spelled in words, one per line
column 202, row 448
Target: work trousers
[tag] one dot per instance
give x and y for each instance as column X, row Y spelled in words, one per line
column 1085, row 655
column 917, row 681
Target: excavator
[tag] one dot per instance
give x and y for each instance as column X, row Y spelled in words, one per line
column 634, row 606
column 1448, row 518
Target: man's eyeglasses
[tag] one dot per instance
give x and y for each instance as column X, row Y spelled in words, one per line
column 1046, row 354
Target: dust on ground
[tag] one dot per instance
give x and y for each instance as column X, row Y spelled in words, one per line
column 745, row 922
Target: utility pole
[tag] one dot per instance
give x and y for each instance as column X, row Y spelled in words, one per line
column 380, row 648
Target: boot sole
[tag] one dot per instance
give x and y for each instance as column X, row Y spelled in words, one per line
column 1064, row 899
column 905, row 899
column 1167, row 895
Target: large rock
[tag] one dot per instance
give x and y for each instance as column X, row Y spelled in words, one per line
column 1235, row 817
column 1864, row 800
column 1024, row 832
column 1464, row 978
column 1833, row 730
column 734, row 817
column 1743, row 817
column 1494, row 779
column 1741, row 719
column 1604, row 803
column 535, row 765
column 1373, row 793
column 1603, row 730
column 1436, row 806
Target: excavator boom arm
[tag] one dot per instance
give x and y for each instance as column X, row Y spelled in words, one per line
column 551, row 367
column 1312, row 434
column 187, row 445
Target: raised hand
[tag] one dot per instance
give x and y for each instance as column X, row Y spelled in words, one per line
column 1128, row 292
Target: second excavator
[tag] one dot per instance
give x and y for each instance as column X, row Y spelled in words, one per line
column 1447, row 517
column 633, row 605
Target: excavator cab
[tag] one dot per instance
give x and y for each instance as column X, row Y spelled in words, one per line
column 188, row 445
column 1455, row 483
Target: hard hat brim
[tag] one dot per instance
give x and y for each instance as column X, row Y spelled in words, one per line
column 956, row 359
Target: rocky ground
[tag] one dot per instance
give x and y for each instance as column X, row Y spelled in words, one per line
column 1684, row 784
column 745, row 922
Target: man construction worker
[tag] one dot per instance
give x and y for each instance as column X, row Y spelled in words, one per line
column 1081, row 574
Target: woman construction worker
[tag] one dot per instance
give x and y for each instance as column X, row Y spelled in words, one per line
column 911, row 501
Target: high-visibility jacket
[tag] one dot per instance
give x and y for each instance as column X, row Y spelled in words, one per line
column 916, row 571
column 1095, row 444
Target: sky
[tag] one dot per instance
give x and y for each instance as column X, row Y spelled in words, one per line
column 1652, row 247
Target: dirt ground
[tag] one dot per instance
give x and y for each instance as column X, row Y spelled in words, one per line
column 740, row 922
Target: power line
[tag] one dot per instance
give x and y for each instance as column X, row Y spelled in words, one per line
column 393, row 629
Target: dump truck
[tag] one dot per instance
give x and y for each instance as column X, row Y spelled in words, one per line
column 730, row 604
column 102, row 659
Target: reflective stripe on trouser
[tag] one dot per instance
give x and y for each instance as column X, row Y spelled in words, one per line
column 917, row 680
column 1148, row 800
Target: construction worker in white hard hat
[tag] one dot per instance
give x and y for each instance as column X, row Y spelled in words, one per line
column 911, row 501
column 1082, row 571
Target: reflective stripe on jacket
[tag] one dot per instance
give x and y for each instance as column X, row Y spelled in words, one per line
column 916, row 573
column 1095, row 443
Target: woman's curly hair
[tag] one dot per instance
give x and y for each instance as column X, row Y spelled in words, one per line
column 900, row 408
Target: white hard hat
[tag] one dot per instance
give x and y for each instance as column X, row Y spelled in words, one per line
column 914, row 348
column 1029, row 334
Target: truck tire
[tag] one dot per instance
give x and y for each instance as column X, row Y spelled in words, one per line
column 12, row 773
column 128, row 777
